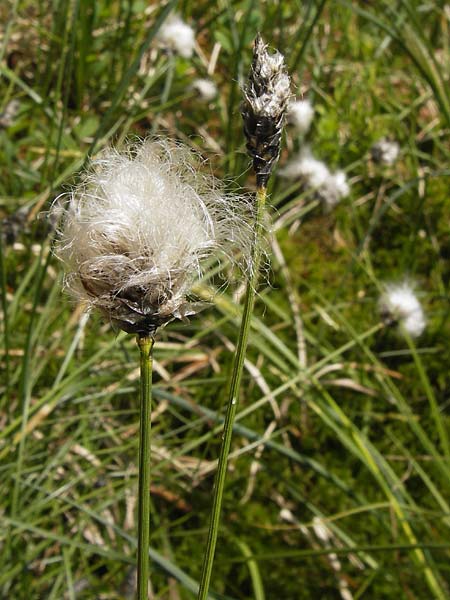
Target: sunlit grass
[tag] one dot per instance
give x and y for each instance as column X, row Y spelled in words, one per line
column 341, row 419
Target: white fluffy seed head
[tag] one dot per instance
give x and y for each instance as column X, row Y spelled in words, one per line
column 330, row 187
column 385, row 151
column 305, row 166
column 135, row 233
column 300, row 114
column 177, row 36
column 334, row 189
column 206, row 89
column 400, row 303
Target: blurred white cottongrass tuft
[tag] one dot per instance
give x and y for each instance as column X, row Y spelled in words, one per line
column 400, row 303
column 135, row 233
column 177, row 36
column 335, row 188
column 205, row 88
column 331, row 187
column 385, row 151
column 300, row 114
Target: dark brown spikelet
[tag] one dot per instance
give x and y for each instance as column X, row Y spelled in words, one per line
column 266, row 97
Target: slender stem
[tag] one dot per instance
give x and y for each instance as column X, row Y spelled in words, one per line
column 145, row 344
column 238, row 365
column 4, row 304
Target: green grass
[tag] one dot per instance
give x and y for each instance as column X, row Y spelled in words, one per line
column 341, row 418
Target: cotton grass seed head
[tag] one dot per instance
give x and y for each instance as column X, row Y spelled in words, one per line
column 330, row 187
column 305, row 166
column 385, row 151
column 266, row 98
column 400, row 303
column 300, row 114
column 335, row 188
column 177, row 36
column 136, row 232
column 205, row 88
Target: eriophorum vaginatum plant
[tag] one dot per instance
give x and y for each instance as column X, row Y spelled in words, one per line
column 265, row 100
column 134, row 235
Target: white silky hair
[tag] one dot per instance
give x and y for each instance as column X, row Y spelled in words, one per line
column 331, row 187
column 300, row 114
column 305, row 165
column 206, row 88
column 140, row 226
column 335, row 188
column 178, row 36
column 269, row 69
column 401, row 303
column 385, row 151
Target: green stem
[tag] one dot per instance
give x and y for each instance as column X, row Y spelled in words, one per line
column 238, row 365
column 145, row 344
column 4, row 305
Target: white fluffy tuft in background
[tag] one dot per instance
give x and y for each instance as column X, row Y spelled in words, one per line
column 401, row 303
column 205, row 88
column 300, row 114
column 330, row 187
column 178, row 36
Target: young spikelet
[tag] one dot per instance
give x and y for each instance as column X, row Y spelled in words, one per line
column 300, row 114
column 399, row 303
column 135, row 233
column 266, row 97
column 177, row 36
